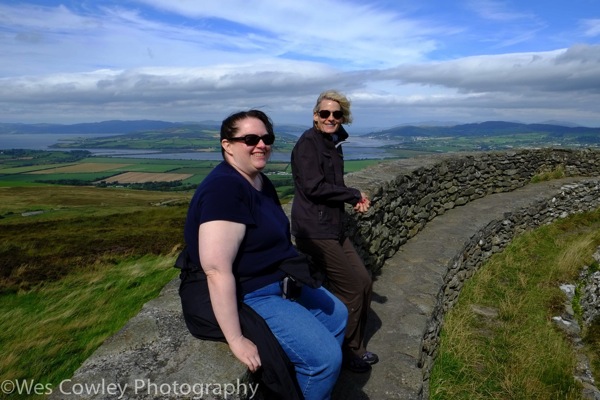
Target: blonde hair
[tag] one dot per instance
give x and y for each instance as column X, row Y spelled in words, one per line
column 339, row 98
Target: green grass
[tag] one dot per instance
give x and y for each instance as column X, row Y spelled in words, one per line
column 556, row 173
column 46, row 334
column 591, row 339
column 28, row 168
column 31, row 254
column 191, row 170
column 520, row 354
column 8, row 183
column 72, row 202
column 149, row 161
column 76, row 273
column 79, row 176
column 357, row 165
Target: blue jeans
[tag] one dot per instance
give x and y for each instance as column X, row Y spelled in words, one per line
column 310, row 330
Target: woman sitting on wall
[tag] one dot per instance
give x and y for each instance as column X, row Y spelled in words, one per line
column 238, row 243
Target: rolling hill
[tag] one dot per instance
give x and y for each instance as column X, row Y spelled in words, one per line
column 488, row 128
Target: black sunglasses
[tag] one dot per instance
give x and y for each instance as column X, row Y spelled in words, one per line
column 325, row 114
column 252, row 139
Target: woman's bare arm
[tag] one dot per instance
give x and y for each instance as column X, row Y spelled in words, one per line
column 219, row 242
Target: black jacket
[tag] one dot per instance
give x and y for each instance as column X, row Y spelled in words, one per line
column 320, row 191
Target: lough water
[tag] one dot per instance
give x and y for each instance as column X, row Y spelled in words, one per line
column 355, row 149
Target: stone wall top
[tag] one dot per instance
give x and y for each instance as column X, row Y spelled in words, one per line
column 408, row 193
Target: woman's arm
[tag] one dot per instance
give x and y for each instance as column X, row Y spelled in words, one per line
column 219, row 242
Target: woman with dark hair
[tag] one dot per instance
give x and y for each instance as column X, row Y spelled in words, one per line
column 238, row 246
column 317, row 214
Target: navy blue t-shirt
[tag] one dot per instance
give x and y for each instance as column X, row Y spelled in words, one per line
column 226, row 195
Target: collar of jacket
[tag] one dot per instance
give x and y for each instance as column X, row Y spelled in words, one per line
column 341, row 134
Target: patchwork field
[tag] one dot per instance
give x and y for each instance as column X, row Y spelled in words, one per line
column 25, row 168
column 143, row 177
column 79, row 168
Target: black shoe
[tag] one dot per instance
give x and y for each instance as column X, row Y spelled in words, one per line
column 356, row 364
column 370, row 358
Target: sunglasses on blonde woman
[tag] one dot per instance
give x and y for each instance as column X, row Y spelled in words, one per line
column 252, row 139
column 325, row 114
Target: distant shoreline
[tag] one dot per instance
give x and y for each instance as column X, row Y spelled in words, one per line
column 353, row 150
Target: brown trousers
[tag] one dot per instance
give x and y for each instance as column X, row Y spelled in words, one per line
column 348, row 279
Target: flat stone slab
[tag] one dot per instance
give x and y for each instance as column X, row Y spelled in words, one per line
column 155, row 356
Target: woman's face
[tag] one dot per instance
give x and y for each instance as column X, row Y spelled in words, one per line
column 247, row 159
column 330, row 124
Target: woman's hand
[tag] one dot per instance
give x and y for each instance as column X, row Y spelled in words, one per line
column 246, row 352
column 363, row 205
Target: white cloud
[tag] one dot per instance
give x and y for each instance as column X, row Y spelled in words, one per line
column 348, row 34
column 514, row 85
column 569, row 70
column 182, row 60
column 497, row 10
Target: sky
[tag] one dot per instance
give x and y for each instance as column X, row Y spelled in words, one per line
column 398, row 61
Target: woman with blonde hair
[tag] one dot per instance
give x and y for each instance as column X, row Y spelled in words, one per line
column 317, row 213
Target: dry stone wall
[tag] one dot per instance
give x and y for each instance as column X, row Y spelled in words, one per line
column 420, row 191
column 408, row 193
column 590, row 298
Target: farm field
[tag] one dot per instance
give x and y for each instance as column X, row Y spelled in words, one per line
column 144, row 177
column 67, row 211
column 88, row 170
column 42, row 168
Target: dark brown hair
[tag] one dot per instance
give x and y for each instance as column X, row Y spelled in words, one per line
column 229, row 126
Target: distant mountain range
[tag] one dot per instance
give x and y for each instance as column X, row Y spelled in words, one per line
column 124, row 127
column 104, row 127
column 491, row 128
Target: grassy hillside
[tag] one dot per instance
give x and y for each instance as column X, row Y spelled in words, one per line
column 519, row 353
column 49, row 230
column 76, row 263
column 46, row 333
column 46, row 233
